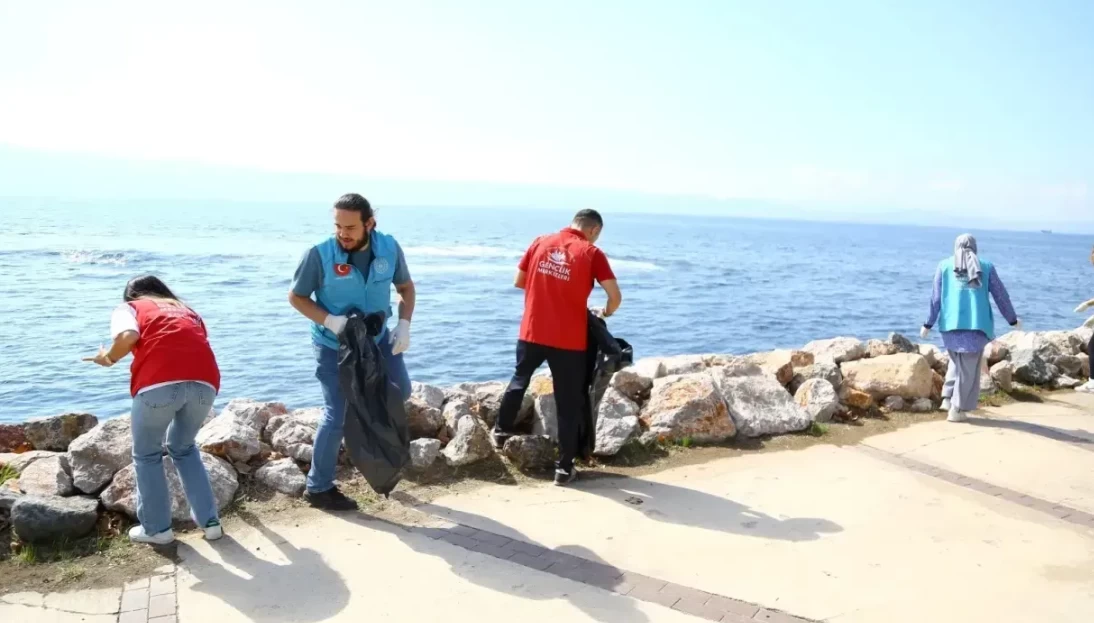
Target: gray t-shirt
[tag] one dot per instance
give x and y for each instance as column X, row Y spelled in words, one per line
column 309, row 273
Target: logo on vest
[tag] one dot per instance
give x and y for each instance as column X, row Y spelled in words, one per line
column 556, row 265
column 380, row 265
column 343, row 270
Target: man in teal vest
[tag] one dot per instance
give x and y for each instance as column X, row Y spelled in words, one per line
column 353, row 269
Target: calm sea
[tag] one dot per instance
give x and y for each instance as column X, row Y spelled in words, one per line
column 690, row 284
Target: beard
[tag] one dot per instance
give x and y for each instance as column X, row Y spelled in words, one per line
column 359, row 245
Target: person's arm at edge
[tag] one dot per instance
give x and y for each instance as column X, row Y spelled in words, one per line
column 602, row 271
column 1002, row 297
column 305, row 283
column 936, row 301
column 404, row 286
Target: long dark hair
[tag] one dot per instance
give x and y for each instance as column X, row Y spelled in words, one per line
column 147, row 286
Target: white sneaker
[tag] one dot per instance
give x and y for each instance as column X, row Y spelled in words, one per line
column 213, row 530
column 945, row 405
column 957, row 415
column 138, row 535
column 1086, row 388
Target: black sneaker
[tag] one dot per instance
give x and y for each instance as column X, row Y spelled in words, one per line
column 563, row 477
column 330, row 500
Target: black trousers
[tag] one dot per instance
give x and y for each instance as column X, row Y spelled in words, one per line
column 568, row 374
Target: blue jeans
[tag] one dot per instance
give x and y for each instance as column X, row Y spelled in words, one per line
column 328, row 438
column 178, row 410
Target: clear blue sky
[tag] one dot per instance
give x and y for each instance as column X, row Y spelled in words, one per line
column 932, row 104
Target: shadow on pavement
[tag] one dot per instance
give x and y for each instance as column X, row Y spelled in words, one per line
column 305, row 590
column 696, row 509
column 503, row 576
column 1076, row 436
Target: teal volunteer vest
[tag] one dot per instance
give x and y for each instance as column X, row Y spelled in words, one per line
column 965, row 308
column 345, row 288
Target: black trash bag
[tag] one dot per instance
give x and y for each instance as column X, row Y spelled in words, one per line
column 376, row 433
column 605, row 356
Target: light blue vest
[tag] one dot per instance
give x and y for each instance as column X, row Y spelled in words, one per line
column 964, row 307
column 345, row 288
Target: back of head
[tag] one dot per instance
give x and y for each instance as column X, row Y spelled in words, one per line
column 590, row 223
column 147, row 287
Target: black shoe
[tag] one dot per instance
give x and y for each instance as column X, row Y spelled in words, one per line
column 330, row 500
column 564, row 477
column 499, row 439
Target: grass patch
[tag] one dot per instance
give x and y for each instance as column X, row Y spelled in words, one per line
column 995, row 399
column 818, row 429
column 7, row 473
column 27, row 554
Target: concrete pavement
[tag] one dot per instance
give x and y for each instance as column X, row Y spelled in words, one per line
column 987, row 521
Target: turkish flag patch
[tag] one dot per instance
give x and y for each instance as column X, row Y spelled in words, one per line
column 342, row 270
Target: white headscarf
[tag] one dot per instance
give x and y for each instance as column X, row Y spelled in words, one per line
column 965, row 260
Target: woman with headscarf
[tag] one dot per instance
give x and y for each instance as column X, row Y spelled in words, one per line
column 960, row 303
column 1089, row 386
column 174, row 380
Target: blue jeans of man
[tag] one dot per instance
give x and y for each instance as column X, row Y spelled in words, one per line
column 328, row 438
column 178, row 409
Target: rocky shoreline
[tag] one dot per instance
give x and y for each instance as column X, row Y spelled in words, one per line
column 64, row 473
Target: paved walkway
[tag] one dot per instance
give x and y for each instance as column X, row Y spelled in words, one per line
column 987, row 521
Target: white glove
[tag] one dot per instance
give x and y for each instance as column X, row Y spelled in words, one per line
column 336, row 324
column 400, row 338
column 924, row 332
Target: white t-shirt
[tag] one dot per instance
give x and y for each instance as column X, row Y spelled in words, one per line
column 124, row 318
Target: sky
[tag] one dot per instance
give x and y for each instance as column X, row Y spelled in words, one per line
column 976, row 108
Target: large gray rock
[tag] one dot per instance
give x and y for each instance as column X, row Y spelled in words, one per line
column 20, row 462
column 1070, row 365
column 996, row 351
column 987, row 384
column 1063, row 342
column 688, row 406
column 822, row 369
column 120, row 496
column 632, row 384
column 456, row 409
column 470, row 444
column 530, row 452
column 293, row 435
column 49, row 476
column 879, row 348
column 8, row 498
column 683, row 364
column 759, row 405
column 837, row 350
column 923, row 405
column 1002, row 374
column 486, row 400
column 57, row 433
column 1031, row 368
column 1065, row 382
column 427, row 394
column 423, row 420
column 616, row 424
column 905, row 375
column 424, row 452
column 903, row 344
column 893, row 404
column 819, row 399
column 49, row 519
column 284, row 476
column 100, row 453
column 236, row 434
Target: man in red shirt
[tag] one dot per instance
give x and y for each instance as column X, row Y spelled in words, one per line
column 557, row 274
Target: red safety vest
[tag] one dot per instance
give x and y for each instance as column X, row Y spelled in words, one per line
column 173, row 347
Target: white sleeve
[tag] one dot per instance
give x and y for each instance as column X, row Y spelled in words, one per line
column 123, row 319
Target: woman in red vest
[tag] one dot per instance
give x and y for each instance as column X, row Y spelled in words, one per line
column 174, row 380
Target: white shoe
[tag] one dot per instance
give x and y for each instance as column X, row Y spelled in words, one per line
column 945, row 405
column 956, row 415
column 1086, row 388
column 213, row 530
column 138, row 535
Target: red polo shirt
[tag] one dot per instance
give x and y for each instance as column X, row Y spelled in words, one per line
column 560, row 270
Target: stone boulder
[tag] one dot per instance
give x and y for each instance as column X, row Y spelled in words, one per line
column 683, row 364
column 826, row 370
column 427, row 394
column 49, row 519
column 996, row 351
column 759, row 405
column 649, row 368
column 1031, row 368
column 1083, row 334
column 57, row 433
column 856, row 399
column 1062, row 342
column 1002, row 374
column 530, row 452
column 893, row 404
column 284, row 476
column 13, row 438
column 121, row 497
column 780, row 363
column 8, row 498
column 470, row 444
column 987, row 384
column 1065, row 382
column 632, row 384
column 688, row 406
column 49, row 476
column 424, row 452
column 837, row 350
column 937, row 359
column 938, row 383
column 96, row 456
column 20, row 462
column 486, row 401
column 904, row 375
column 293, row 435
column 423, row 420
column 616, row 424
column 923, row 405
column 1084, row 363
column 819, row 399
column 455, row 409
column 1070, row 365
column 902, row 344
column 236, row 434
column 878, row 348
